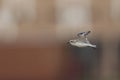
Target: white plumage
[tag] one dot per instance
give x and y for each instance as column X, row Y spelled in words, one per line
column 82, row 40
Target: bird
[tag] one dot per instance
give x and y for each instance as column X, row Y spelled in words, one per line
column 82, row 40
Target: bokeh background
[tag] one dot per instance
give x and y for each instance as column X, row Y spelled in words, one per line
column 34, row 36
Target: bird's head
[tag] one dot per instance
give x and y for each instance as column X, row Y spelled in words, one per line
column 72, row 41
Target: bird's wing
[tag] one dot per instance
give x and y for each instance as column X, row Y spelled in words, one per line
column 83, row 34
column 87, row 33
column 82, row 37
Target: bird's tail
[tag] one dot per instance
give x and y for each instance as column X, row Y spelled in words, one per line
column 93, row 46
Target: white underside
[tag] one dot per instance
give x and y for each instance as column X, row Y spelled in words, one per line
column 82, row 44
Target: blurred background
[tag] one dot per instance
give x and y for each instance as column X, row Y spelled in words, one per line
column 34, row 36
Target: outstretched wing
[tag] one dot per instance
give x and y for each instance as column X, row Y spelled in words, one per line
column 82, row 37
column 87, row 33
column 83, row 34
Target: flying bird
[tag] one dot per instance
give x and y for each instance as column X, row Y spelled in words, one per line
column 82, row 40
